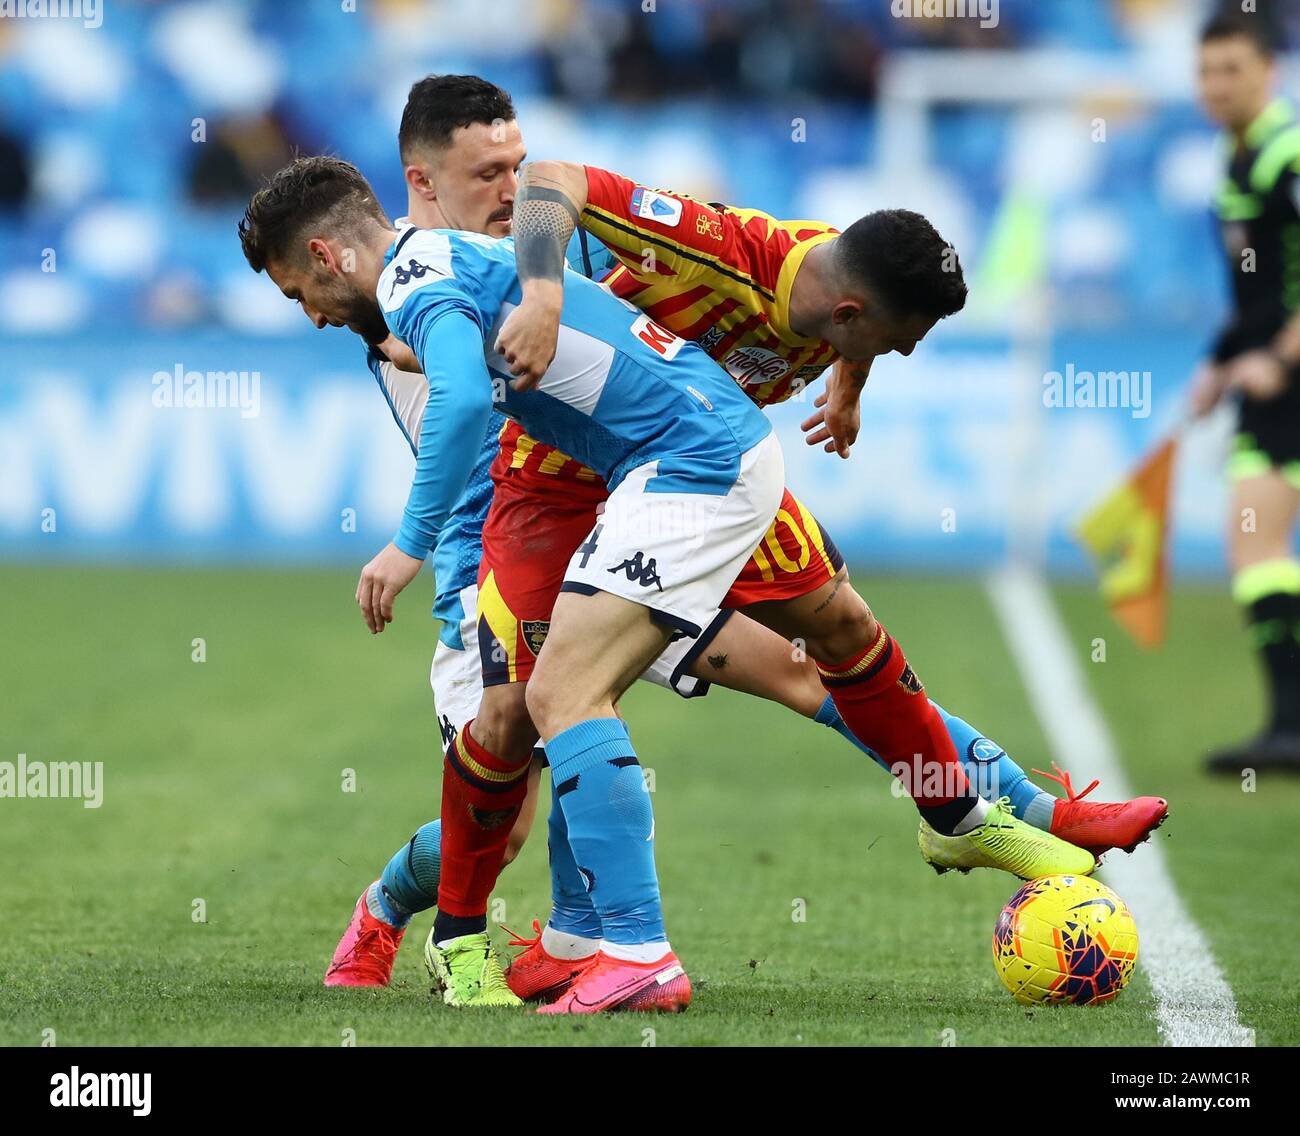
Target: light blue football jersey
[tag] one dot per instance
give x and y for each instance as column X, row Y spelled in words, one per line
column 459, row 549
column 620, row 392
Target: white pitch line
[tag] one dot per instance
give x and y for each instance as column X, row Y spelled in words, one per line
column 1194, row 1003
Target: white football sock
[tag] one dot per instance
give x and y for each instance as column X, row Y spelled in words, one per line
column 640, row 952
column 974, row 818
column 562, row 945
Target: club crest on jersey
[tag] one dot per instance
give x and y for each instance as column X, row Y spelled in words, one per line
column 656, row 207
column 534, row 632
column 754, row 366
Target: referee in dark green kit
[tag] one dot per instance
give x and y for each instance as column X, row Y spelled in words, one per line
column 1256, row 359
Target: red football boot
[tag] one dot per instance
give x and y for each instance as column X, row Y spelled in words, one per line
column 1100, row 827
column 535, row 975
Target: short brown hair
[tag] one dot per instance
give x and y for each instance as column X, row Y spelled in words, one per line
column 304, row 192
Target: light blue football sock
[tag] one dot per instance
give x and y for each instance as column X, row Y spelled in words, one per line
column 988, row 766
column 410, row 881
column 828, row 715
column 600, row 787
column 572, row 911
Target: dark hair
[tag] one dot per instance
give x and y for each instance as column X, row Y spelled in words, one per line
column 439, row 105
column 898, row 256
column 302, row 193
column 1255, row 27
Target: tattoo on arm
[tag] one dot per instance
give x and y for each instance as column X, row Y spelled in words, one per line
column 717, row 662
column 544, row 220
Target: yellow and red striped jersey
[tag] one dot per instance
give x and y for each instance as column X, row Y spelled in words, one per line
column 714, row 274
column 522, row 456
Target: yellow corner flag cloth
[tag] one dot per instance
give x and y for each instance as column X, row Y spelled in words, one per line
column 1126, row 534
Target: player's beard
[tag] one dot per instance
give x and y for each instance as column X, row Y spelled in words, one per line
column 366, row 318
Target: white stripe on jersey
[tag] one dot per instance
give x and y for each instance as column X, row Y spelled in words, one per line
column 407, row 394
column 577, row 374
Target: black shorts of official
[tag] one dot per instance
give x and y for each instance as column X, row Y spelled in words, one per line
column 1268, row 436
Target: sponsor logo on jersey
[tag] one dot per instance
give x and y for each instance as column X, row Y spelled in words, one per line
column 656, row 207
column 534, row 632
column 658, row 339
column 753, row 366
column 710, row 339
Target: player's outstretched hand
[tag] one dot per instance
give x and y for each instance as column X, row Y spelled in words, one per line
column 381, row 580
column 838, row 419
column 528, row 337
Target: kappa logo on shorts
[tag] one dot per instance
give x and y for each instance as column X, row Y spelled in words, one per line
column 447, row 730
column 534, row 632
column 640, row 570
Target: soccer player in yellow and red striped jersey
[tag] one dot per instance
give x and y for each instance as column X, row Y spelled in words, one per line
column 775, row 303
column 718, row 275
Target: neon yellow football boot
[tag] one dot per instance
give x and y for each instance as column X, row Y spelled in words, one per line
column 467, row 972
column 1004, row 842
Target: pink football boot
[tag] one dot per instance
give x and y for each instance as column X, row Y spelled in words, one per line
column 615, row 984
column 365, row 954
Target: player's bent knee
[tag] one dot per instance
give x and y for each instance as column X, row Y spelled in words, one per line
column 545, row 703
column 555, row 704
column 503, row 725
column 849, row 631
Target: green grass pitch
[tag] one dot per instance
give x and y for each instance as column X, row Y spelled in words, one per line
column 792, row 885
